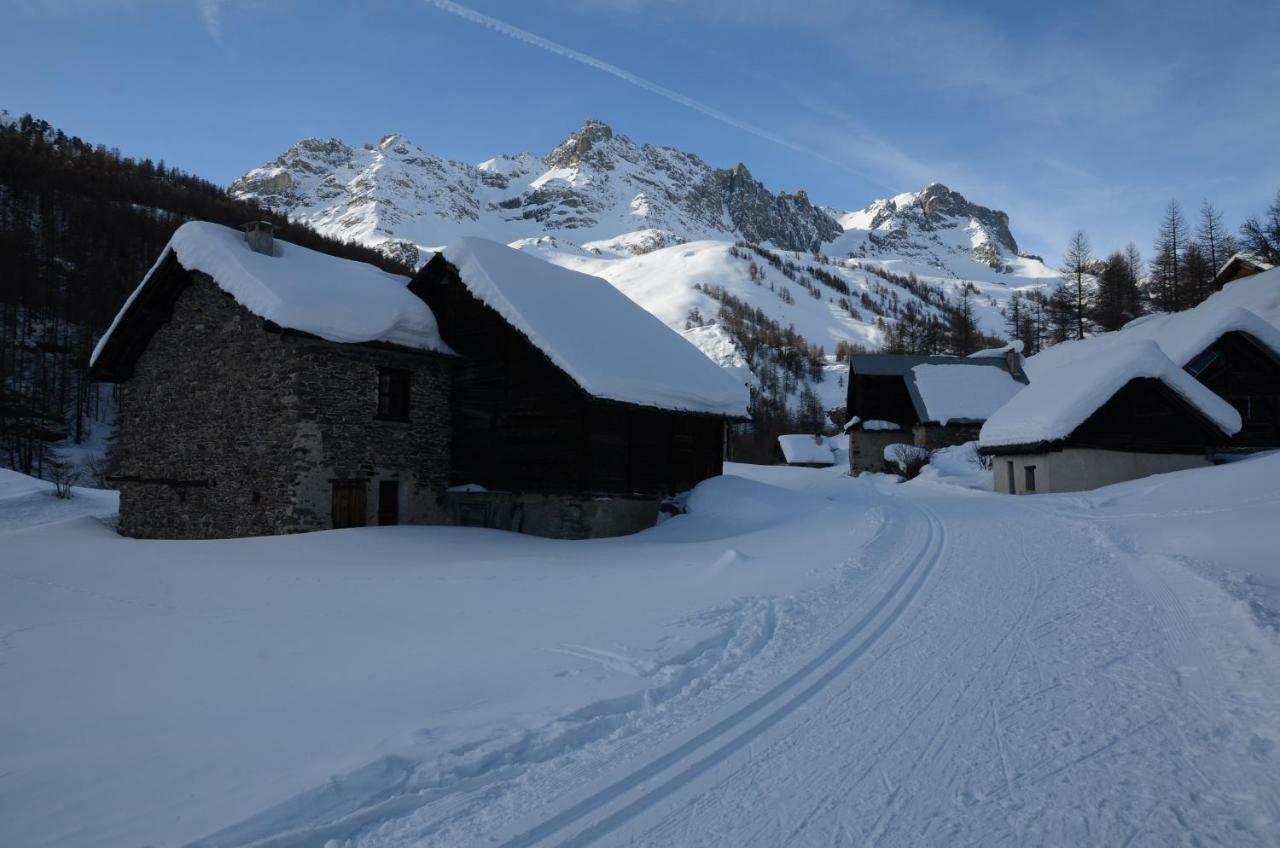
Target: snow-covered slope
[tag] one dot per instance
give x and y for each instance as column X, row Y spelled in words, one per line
column 661, row 225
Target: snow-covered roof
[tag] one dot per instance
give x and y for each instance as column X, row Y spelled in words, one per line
column 803, row 449
column 605, row 342
column 1015, row 345
column 1181, row 335
column 962, row 393
column 1062, row 398
column 340, row 300
column 943, row 389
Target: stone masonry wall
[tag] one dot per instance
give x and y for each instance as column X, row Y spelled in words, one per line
column 236, row 430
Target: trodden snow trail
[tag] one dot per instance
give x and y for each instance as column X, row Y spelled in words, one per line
column 1003, row 672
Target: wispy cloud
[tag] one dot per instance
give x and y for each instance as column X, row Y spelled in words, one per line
column 566, row 52
column 211, row 17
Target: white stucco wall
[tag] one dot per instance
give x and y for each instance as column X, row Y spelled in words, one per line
column 1081, row 469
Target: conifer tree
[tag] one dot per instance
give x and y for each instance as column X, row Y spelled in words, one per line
column 1211, row 236
column 1077, row 299
column 1262, row 236
column 1166, row 282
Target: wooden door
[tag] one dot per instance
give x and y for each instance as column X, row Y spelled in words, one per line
column 388, row 502
column 348, row 503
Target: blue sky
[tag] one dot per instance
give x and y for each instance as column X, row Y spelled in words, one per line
column 1066, row 115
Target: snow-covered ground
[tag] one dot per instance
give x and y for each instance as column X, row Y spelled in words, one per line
column 803, row 659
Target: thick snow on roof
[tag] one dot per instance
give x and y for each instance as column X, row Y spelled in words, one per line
column 301, row 289
column 962, row 393
column 1060, row 399
column 1250, row 305
column 805, row 449
column 608, row 344
column 1015, row 345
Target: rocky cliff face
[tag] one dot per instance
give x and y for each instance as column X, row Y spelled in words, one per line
column 595, row 189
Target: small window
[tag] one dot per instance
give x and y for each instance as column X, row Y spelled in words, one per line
column 1031, row 478
column 1196, row 366
column 393, row 393
column 1013, row 488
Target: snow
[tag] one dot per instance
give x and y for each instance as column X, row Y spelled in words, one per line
column 1250, row 305
column 1015, row 345
column 875, row 424
column 301, row 289
column 958, row 465
column 962, row 392
column 806, row 449
column 804, row 658
column 1060, row 399
column 610, row 346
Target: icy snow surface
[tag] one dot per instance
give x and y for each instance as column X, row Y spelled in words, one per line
column 963, row 392
column 1059, row 399
column 609, row 345
column 336, row 299
column 803, row 659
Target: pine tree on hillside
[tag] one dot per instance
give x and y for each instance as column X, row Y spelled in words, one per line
column 1262, row 237
column 1077, row 300
column 1166, row 281
column 1197, row 274
column 1117, row 302
column 1212, row 237
column 962, row 331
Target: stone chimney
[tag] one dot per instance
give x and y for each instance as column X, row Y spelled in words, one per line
column 260, row 235
column 1013, row 358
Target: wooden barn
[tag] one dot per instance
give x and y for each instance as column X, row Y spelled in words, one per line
column 575, row 411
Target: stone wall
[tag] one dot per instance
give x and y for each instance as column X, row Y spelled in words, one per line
column 228, row 428
column 866, row 449
column 1082, row 469
column 932, row 436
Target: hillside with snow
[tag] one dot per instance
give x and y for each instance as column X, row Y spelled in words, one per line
column 682, row 238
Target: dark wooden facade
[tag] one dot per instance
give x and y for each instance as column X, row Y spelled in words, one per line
column 521, row 424
column 1246, row 375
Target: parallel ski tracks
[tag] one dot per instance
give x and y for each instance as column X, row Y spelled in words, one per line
column 641, row 789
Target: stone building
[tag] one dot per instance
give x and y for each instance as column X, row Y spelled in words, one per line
column 267, row 388
column 276, row 390
column 925, row 401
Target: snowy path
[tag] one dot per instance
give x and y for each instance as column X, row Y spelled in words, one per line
column 805, row 660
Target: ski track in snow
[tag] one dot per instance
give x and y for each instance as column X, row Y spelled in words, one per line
column 981, row 670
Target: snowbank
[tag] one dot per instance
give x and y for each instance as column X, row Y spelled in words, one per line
column 609, row 345
column 963, row 393
column 1060, row 399
column 300, row 289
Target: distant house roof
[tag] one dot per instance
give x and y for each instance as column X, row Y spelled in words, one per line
column 944, row 389
column 297, row 288
column 1241, row 264
column 1062, row 398
column 803, row 449
column 606, row 343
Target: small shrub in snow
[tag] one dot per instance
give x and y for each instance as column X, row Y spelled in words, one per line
column 909, row 459
column 63, row 475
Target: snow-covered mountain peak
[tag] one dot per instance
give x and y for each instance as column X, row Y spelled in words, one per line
column 933, row 220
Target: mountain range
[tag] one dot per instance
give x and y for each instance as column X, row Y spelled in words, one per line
column 682, row 238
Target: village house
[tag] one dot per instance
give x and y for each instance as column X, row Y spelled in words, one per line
column 1116, row 412
column 925, row 401
column 267, row 388
column 575, row 411
column 1185, row 372
column 1243, row 264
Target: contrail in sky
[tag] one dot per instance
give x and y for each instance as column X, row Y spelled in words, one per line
column 626, row 76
